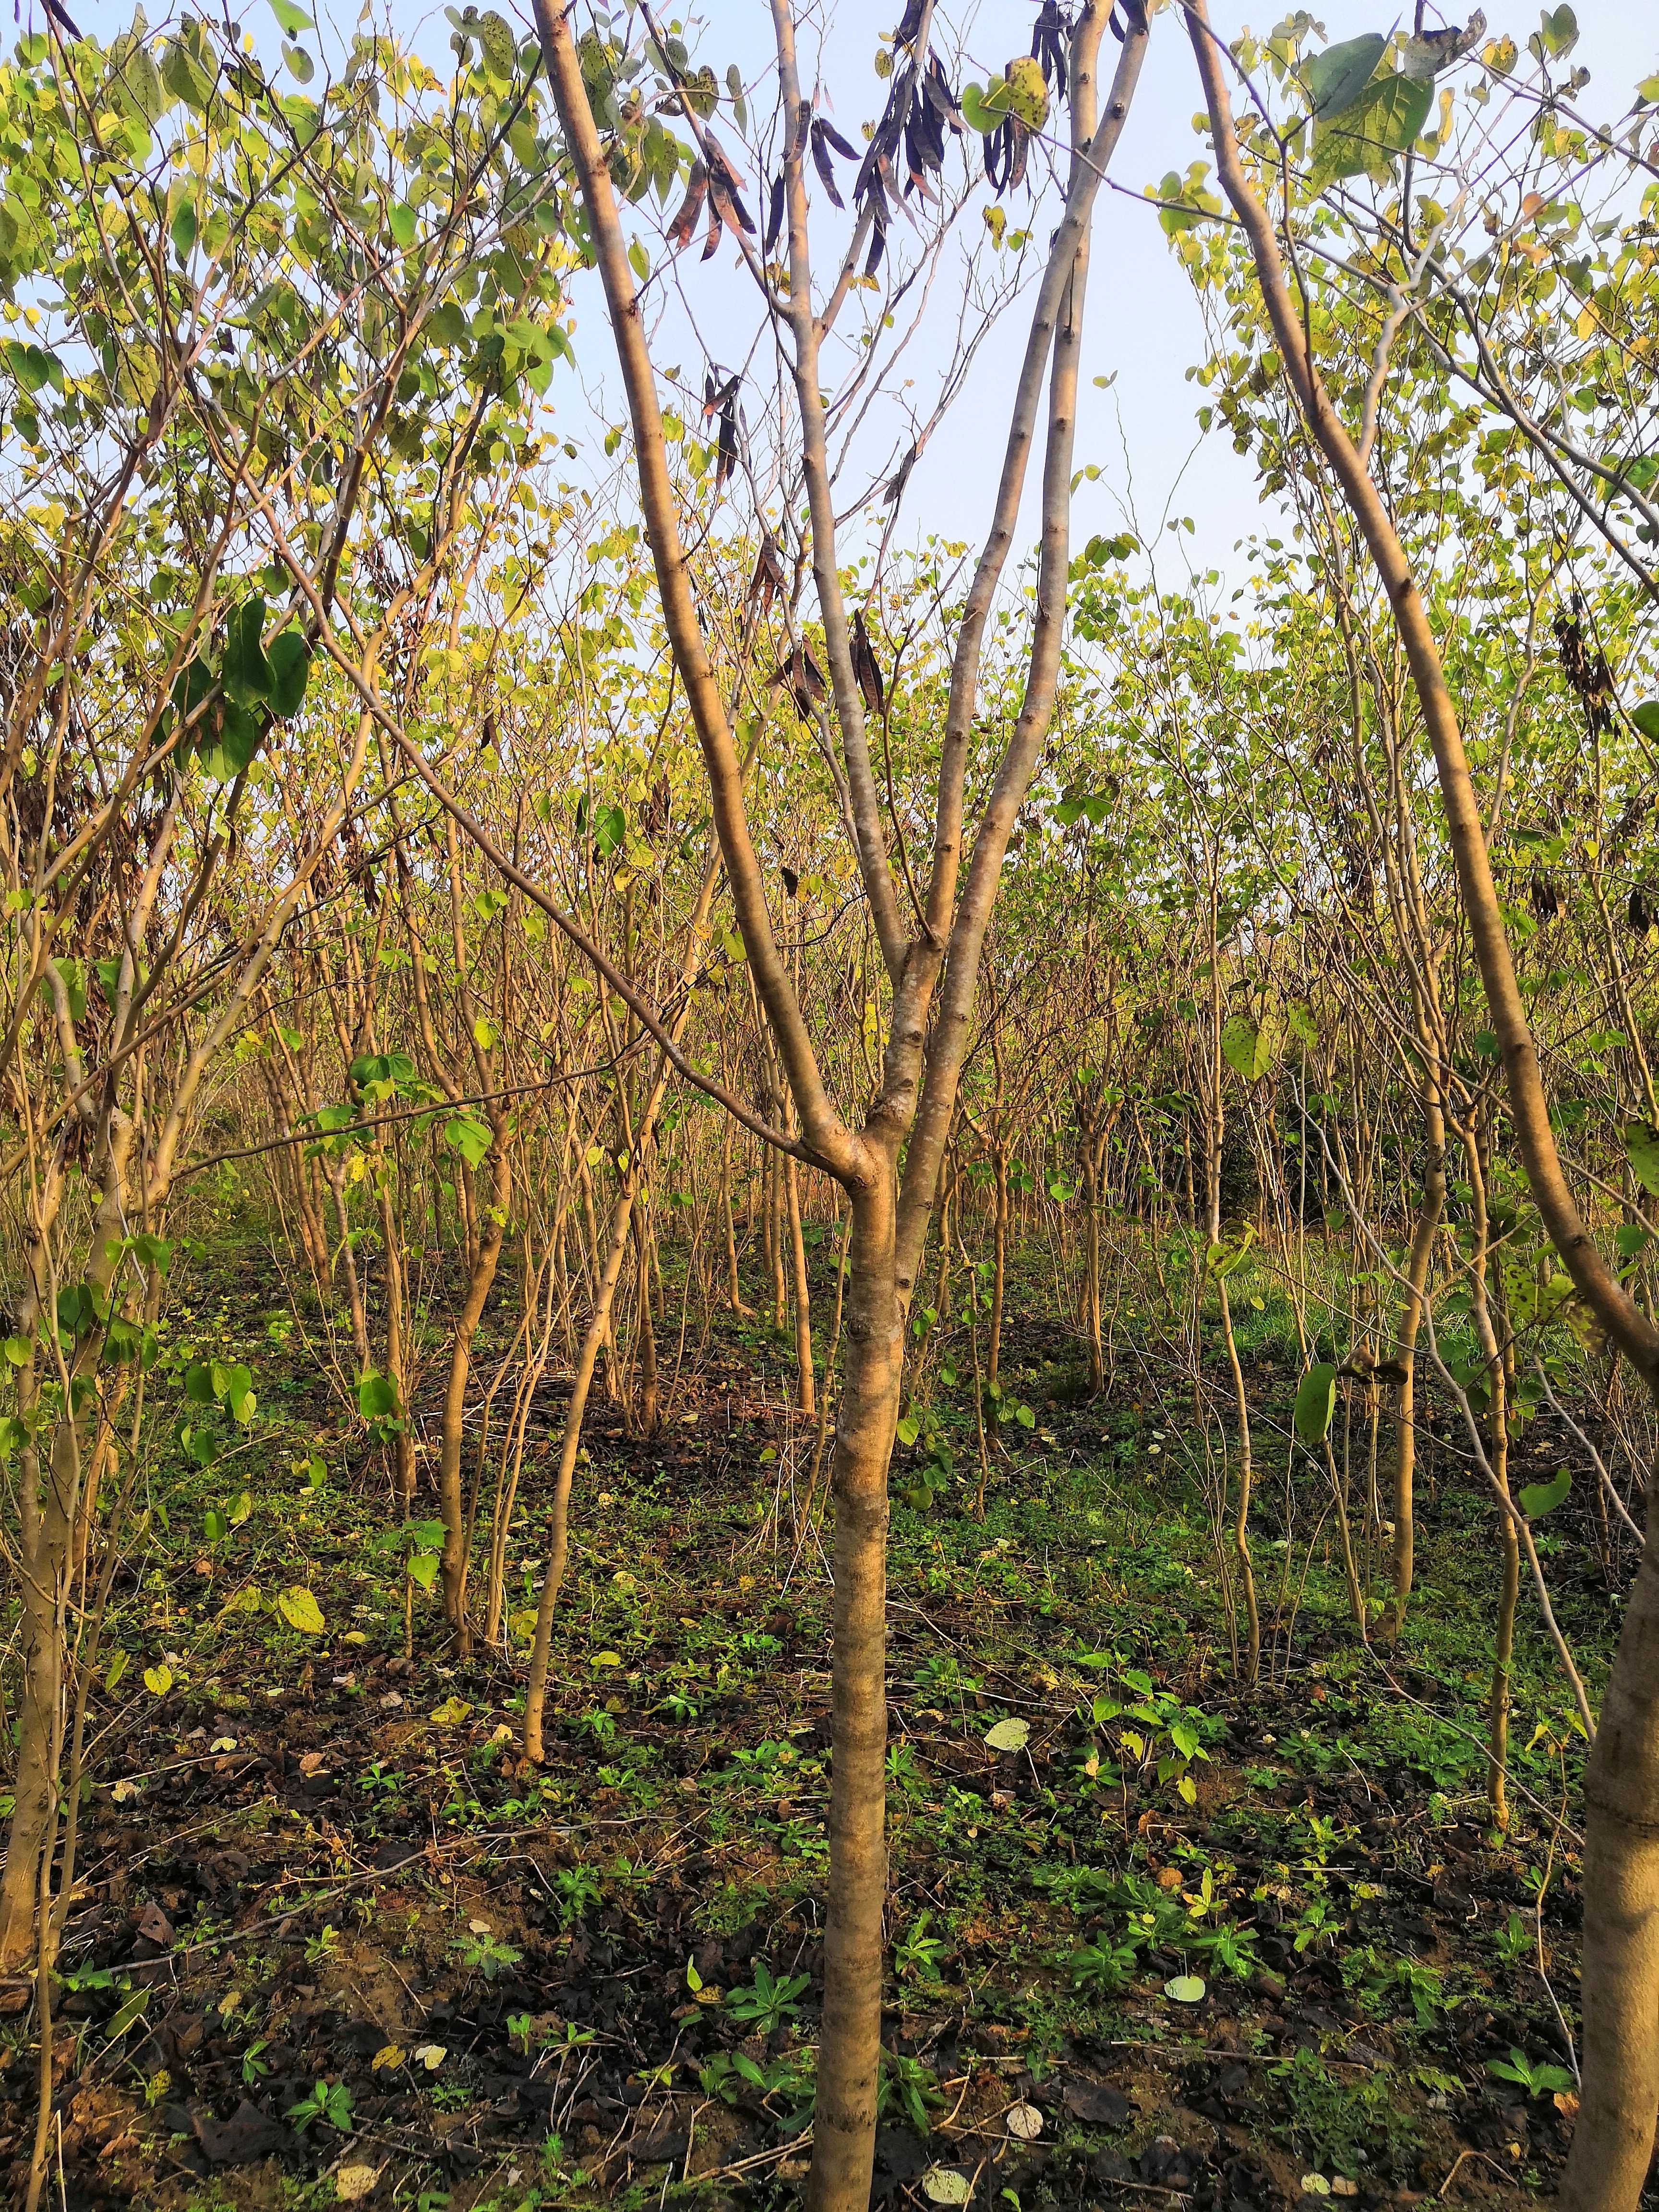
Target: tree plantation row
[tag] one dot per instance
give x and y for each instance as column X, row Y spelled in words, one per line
column 581, row 976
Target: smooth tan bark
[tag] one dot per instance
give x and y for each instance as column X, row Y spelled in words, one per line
column 920, row 1072
column 1613, row 2141
column 451, row 1505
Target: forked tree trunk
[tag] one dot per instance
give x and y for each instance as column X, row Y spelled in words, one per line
column 921, row 1067
column 558, row 1518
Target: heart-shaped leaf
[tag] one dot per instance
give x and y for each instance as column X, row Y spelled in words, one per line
column 1538, row 1497
column 1008, row 1736
column 1337, row 77
column 300, row 1610
column 1315, row 1401
column 1641, row 1148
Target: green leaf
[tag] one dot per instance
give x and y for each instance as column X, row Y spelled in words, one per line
column 466, row 1134
column 288, row 665
column 240, row 735
column 1338, row 78
column 33, row 365
column 500, row 48
column 1008, row 1736
column 1249, row 1048
column 131, row 2010
column 377, row 1397
column 1186, row 1989
column 403, row 222
column 134, row 80
column 1316, row 1402
column 244, row 672
column 1559, row 30
column 447, row 325
column 1366, row 141
column 182, row 230
column 978, row 112
column 185, row 78
column 1642, row 1147
column 1539, row 1498
column 300, row 1610
column 1646, row 718
column 291, row 20
column 73, row 974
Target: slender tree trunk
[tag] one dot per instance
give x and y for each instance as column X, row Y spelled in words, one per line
column 775, row 1211
column 349, row 1263
column 397, row 1364
column 1418, row 1260
column 558, row 1518
column 849, row 2051
column 1613, row 2141
column 1091, row 1198
column 1619, row 2095
column 734, row 1285
column 646, row 1409
column 451, row 1505
column 47, row 1524
column 1000, row 1261
column 804, row 1398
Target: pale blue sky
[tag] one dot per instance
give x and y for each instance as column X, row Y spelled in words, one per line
column 1144, row 327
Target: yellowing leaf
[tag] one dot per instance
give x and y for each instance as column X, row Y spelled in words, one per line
column 158, row 1681
column 1026, row 95
column 300, row 1610
column 1008, row 1736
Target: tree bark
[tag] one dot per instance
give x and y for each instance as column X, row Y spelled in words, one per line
column 1613, row 2141
column 871, row 1377
column 452, row 1506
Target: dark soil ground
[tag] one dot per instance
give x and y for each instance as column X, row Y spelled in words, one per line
column 314, row 1874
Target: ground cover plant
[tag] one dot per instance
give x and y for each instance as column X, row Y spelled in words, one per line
column 830, row 1365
